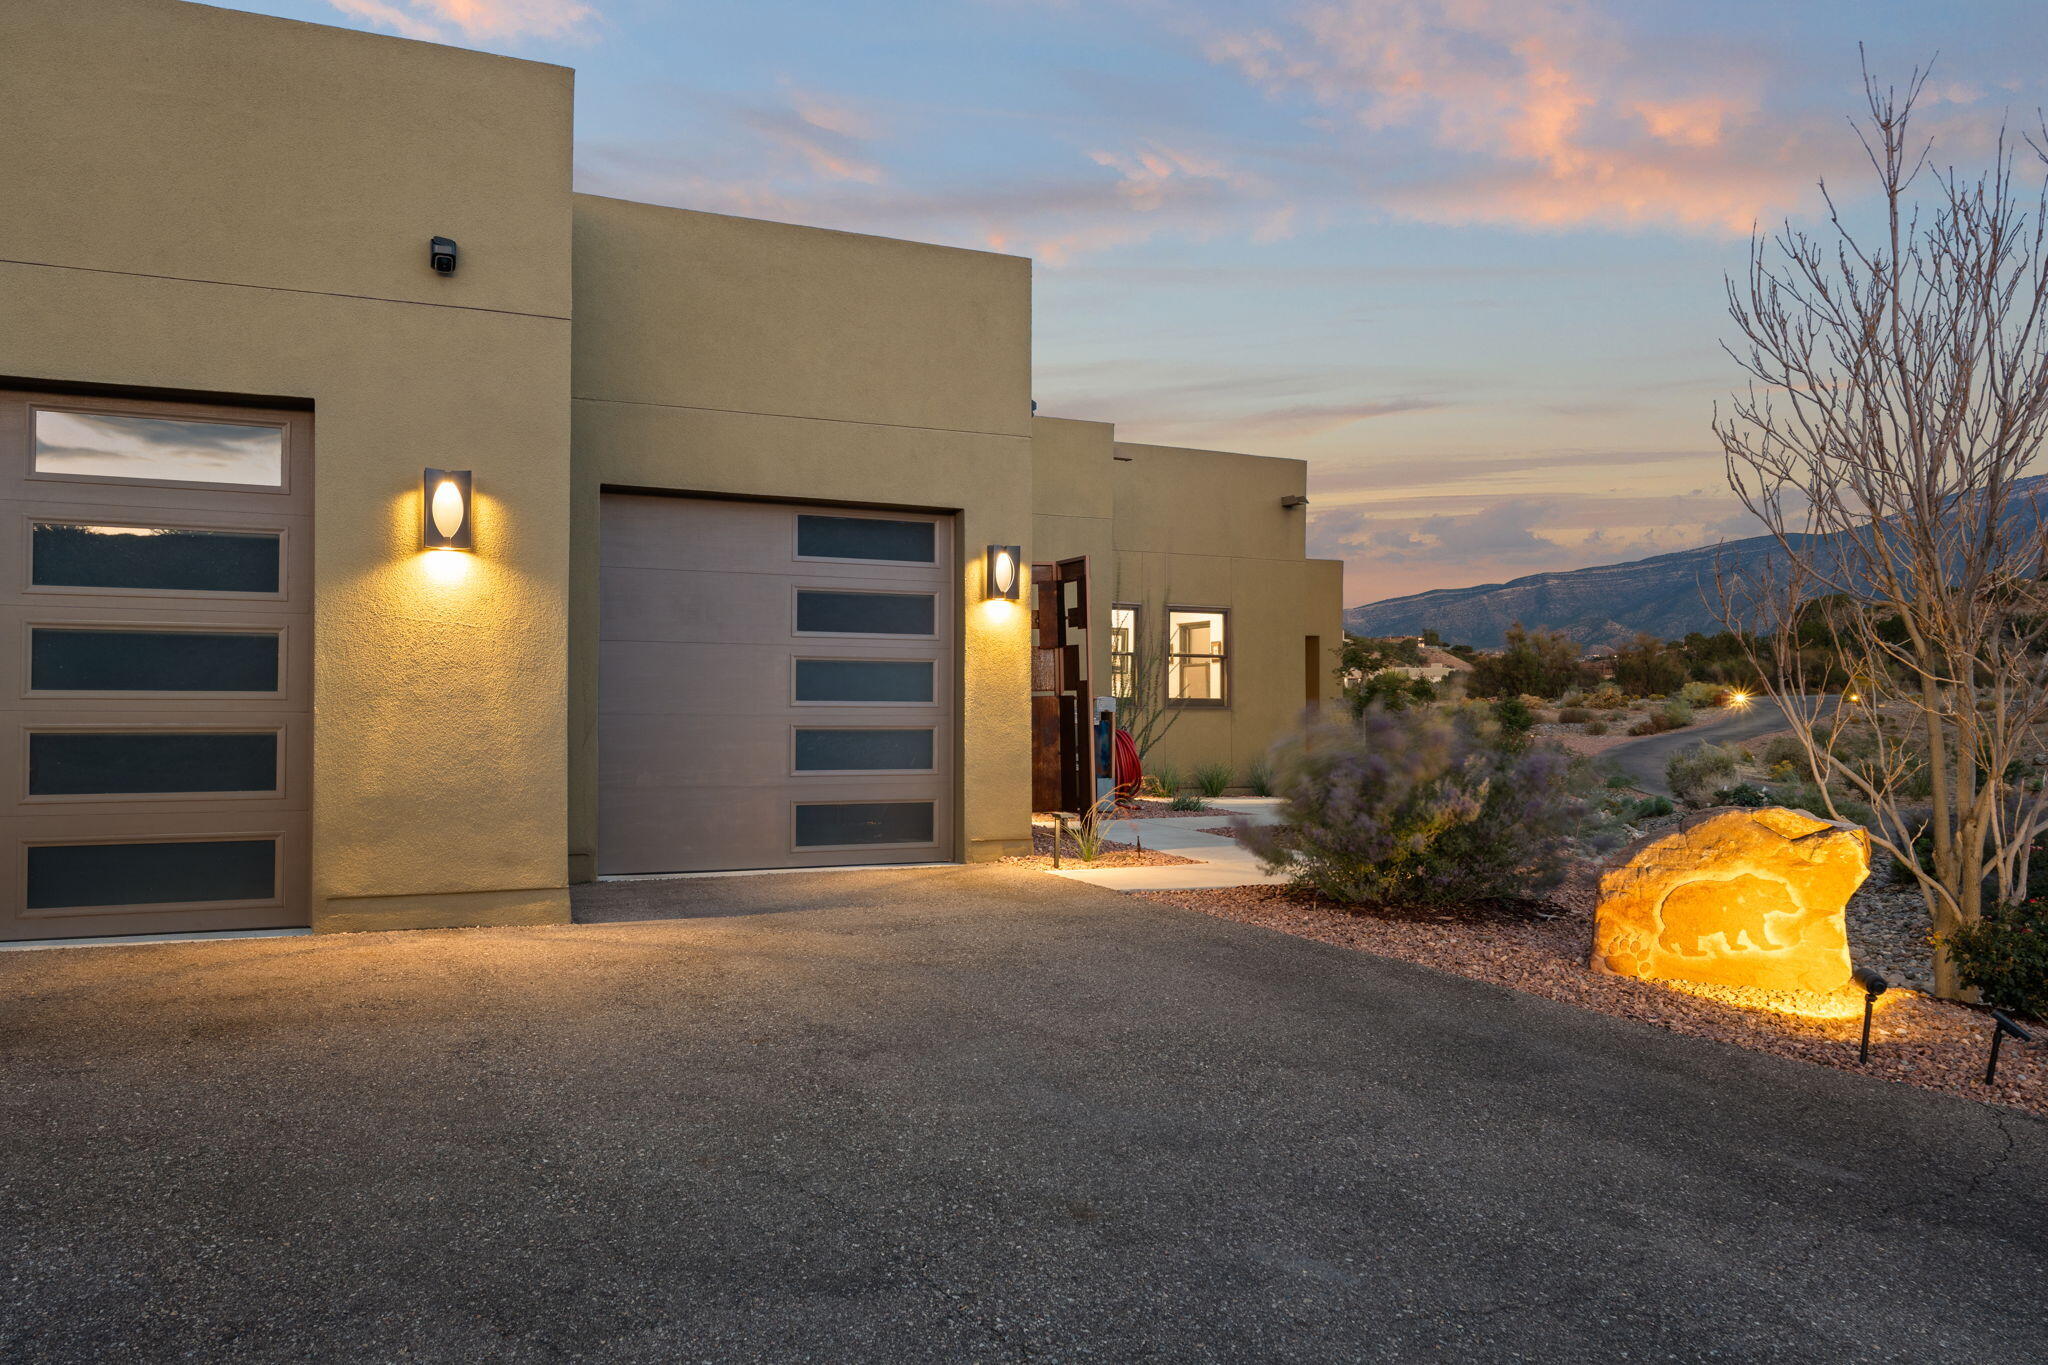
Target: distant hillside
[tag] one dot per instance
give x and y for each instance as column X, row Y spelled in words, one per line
column 1666, row 595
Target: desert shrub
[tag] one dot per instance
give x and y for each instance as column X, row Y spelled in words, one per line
column 1596, row 727
column 1574, row 715
column 1782, row 749
column 1538, row 663
column 1703, row 694
column 1607, row 697
column 1651, row 807
column 1672, row 715
column 1259, row 777
column 2006, row 958
column 1421, row 807
column 1515, row 719
column 1394, row 691
column 1186, row 801
column 1744, row 794
column 1695, row 774
column 1167, row 778
column 1614, row 779
column 1213, row 778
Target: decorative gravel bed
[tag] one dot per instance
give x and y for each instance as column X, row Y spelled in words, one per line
column 1542, row 949
column 1112, row 854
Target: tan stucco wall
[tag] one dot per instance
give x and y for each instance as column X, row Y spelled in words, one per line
column 1204, row 528
column 1074, row 512
column 720, row 355
column 233, row 204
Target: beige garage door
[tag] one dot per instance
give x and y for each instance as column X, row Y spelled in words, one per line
column 775, row 686
column 155, row 580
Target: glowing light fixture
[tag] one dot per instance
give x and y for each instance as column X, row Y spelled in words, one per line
column 446, row 510
column 1005, row 575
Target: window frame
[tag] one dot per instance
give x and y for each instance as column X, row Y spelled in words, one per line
column 1137, row 634
column 289, row 442
column 1174, row 656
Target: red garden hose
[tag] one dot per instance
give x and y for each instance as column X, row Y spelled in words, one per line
column 1129, row 772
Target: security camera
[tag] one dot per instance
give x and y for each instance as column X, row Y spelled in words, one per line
column 441, row 255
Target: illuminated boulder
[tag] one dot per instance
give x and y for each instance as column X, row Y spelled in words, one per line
column 1745, row 898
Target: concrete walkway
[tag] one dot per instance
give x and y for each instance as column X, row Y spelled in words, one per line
column 953, row 1114
column 1220, row 859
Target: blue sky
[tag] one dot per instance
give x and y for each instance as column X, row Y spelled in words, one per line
column 1464, row 256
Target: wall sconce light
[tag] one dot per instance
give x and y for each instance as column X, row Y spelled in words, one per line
column 1005, row 572
column 446, row 510
column 1294, row 500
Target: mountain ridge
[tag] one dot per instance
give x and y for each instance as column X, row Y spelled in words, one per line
column 1666, row 595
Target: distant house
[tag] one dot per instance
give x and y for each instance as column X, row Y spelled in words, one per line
column 1437, row 664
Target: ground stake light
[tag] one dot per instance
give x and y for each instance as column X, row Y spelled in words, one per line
column 1873, row 986
column 2002, row 1024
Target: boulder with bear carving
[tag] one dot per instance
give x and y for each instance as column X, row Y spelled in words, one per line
column 1747, row 898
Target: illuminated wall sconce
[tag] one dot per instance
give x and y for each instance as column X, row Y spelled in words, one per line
column 1005, row 573
column 445, row 522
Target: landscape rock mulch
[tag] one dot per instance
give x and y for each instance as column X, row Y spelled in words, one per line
column 1111, row 854
column 1542, row 949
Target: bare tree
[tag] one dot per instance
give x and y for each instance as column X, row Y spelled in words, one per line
column 1894, row 416
column 1145, row 710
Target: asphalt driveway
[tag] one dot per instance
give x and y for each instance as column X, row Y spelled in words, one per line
column 955, row 1114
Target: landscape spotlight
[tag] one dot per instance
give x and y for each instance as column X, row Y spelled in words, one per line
column 2002, row 1024
column 1873, row 986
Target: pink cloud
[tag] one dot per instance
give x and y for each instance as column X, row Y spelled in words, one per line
column 1554, row 118
column 433, row 19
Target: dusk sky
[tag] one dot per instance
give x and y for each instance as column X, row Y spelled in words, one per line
column 1463, row 256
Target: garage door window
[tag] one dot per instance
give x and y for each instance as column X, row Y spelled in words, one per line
column 864, row 682
column 106, row 445
column 70, row 660
column 76, row 876
column 859, row 751
column 154, row 558
column 127, row 763
column 865, row 613
column 865, row 538
column 849, row 824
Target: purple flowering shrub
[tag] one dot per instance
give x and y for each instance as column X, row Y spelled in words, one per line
column 1421, row 807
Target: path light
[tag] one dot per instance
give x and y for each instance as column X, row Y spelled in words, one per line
column 2002, row 1024
column 446, row 510
column 1004, row 580
column 1738, row 700
column 1873, row 986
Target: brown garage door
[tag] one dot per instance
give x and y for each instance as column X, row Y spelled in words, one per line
column 775, row 686
column 155, row 578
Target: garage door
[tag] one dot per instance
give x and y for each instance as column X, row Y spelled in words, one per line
column 775, row 686
column 156, row 562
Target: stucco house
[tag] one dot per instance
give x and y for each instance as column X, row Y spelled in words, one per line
column 394, row 537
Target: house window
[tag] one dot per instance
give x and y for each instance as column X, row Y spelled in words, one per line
column 1123, row 651
column 1198, row 657
column 110, row 445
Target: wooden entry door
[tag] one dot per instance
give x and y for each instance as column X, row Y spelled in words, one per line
column 1062, row 767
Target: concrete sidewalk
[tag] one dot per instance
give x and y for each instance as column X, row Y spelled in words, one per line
column 1220, row 860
